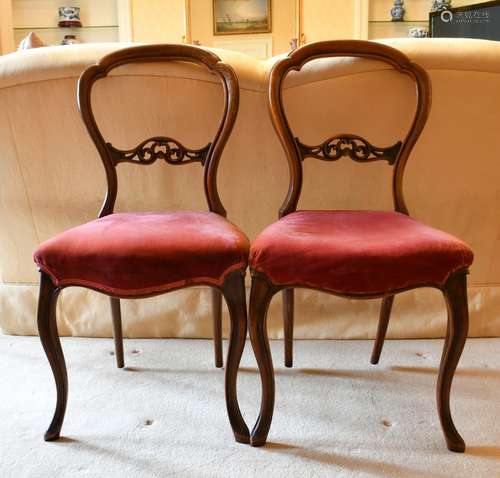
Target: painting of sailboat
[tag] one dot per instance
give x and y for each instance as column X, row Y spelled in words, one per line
column 236, row 17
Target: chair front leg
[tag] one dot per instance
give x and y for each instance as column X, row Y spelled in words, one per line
column 116, row 315
column 233, row 290
column 383, row 323
column 260, row 297
column 455, row 292
column 217, row 318
column 49, row 336
column 288, row 309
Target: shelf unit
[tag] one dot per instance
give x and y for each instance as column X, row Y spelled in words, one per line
column 380, row 24
column 151, row 21
column 378, row 17
column 373, row 18
column 102, row 21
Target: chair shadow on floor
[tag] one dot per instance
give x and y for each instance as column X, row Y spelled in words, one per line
column 321, row 372
column 172, row 370
column 62, row 440
column 142, row 464
column 492, row 452
column 485, row 372
column 348, row 462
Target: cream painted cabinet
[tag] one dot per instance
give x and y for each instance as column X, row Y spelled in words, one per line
column 333, row 19
column 160, row 21
column 191, row 21
column 6, row 32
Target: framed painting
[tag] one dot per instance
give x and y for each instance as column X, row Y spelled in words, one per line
column 239, row 17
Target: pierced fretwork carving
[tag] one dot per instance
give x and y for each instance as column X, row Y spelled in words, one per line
column 159, row 147
column 355, row 147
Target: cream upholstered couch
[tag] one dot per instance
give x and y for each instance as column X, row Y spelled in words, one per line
column 52, row 179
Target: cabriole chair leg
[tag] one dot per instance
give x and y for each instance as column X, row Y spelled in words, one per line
column 383, row 323
column 260, row 297
column 455, row 292
column 233, row 290
column 47, row 330
column 116, row 315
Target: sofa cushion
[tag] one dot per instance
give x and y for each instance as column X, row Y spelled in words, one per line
column 31, row 40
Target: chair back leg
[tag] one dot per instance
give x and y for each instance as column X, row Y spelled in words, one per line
column 383, row 323
column 455, row 292
column 49, row 336
column 116, row 315
column 288, row 306
column 217, row 319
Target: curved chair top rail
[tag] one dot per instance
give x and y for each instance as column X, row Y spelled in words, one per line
column 161, row 147
column 355, row 147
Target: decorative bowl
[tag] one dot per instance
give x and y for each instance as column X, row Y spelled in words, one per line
column 69, row 17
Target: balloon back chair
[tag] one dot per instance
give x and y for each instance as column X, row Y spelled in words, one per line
column 354, row 254
column 145, row 254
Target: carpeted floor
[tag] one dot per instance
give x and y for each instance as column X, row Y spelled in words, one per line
column 164, row 415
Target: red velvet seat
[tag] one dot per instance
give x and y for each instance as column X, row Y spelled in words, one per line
column 144, row 253
column 356, row 252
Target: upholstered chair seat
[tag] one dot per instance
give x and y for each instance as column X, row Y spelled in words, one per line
column 140, row 254
column 356, row 252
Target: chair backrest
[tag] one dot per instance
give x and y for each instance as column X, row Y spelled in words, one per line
column 350, row 145
column 161, row 147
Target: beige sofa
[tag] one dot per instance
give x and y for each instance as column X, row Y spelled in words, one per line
column 52, row 179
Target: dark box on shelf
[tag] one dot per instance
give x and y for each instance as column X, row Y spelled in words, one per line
column 481, row 20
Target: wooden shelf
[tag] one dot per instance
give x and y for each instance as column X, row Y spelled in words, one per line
column 54, row 35
column 407, row 22
column 392, row 29
column 31, row 29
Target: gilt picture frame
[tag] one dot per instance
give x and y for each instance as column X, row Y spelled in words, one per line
column 241, row 17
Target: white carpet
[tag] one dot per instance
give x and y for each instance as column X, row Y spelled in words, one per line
column 164, row 415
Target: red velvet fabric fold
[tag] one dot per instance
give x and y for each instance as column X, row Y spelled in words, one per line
column 145, row 253
column 356, row 252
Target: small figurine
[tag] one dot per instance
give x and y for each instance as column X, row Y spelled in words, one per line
column 440, row 5
column 418, row 32
column 398, row 11
column 70, row 40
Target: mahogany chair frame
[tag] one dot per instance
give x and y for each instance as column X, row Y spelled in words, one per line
column 172, row 152
column 357, row 149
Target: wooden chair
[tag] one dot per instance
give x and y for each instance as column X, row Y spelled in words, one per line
column 142, row 255
column 355, row 254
